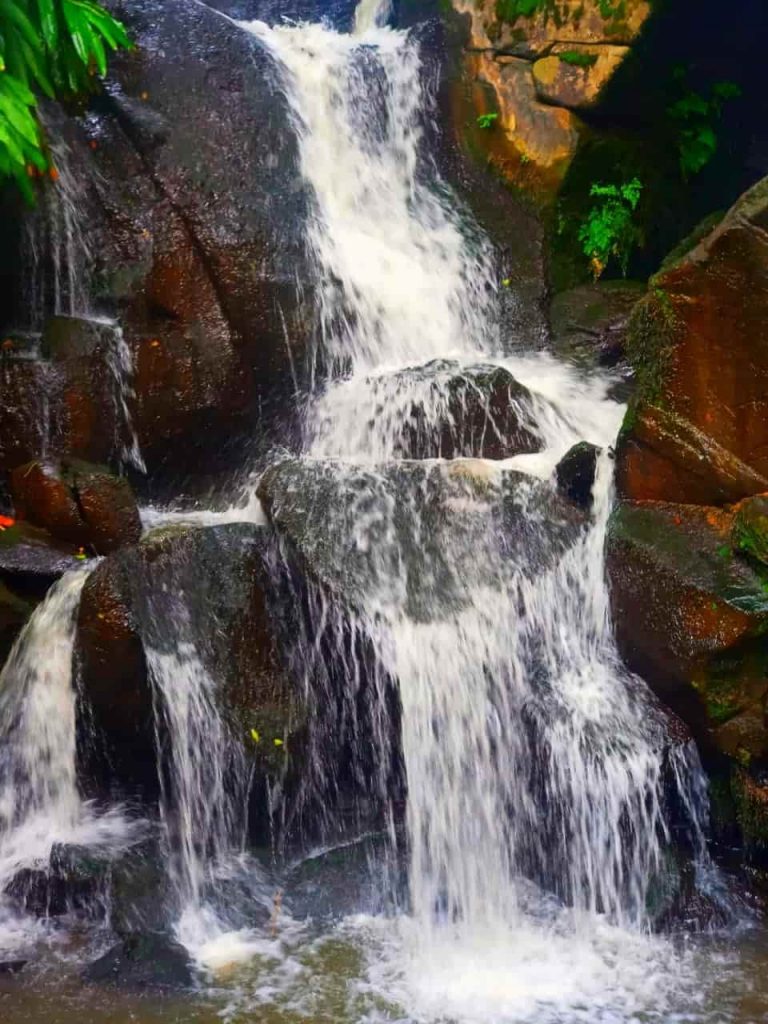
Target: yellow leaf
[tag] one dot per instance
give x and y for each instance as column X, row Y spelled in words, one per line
column 255, row 735
column 277, row 742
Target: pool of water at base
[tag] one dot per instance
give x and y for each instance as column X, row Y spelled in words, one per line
column 350, row 973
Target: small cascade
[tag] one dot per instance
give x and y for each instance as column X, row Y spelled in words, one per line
column 371, row 14
column 121, row 367
column 40, row 802
column 58, row 252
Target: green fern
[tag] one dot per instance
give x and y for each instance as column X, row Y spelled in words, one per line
column 609, row 231
column 54, row 47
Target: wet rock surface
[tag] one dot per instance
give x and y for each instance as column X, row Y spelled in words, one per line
column 692, row 617
column 411, row 535
column 77, row 502
column 144, row 962
column 699, row 345
column 589, row 322
column 575, row 473
column 202, row 586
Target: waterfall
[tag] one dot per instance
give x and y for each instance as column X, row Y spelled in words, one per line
column 40, row 801
column 534, row 761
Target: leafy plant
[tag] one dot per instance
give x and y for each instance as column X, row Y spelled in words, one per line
column 577, row 58
column 609, row 230
column 487, row 120
column 696, row 115
column 511, row 10
column 51, row 46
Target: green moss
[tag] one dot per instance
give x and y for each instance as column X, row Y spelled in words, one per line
column 751, row 804
column 511, row 10
column 578, row 59
column 651, row 338
column 749, row 533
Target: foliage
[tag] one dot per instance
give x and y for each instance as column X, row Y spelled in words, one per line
column 51, row 46
column 696, row 115
column 578, row 59
column 511, row 10
column 609, row 230
column 487, row 120
column 611, row 8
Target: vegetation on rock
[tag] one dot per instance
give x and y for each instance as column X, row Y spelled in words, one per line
column 51, row 46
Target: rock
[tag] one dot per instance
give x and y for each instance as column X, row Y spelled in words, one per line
column 32, row 560
column 86, row 413
column 502, row 27
column 575, row 76
column 575, row 473
column 589, row 322
column 73, row 881
column 699, row 345
column 346, row 528
column 749, row 532
column 191, row 199
column 443, row 410
column 143, row 962
column 12, row 966
column 206, row 586
column 532, row 144
column 662, row 456
column 28, row 388
column 14, row 612
column 77, row 502
column 691, row 617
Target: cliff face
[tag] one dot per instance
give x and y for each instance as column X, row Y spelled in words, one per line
column 688, row 545
column 537, row 65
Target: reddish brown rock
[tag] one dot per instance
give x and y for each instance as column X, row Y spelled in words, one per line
column 692, row 618
column 83, row 504
column 699, row 341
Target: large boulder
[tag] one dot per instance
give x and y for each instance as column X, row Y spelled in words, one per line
column 77, row 502
column 529, row 29
column 439, row 410
column 205, row 590
column 31, row 559
column 698, row 429
column 191, row 202
column 691, row 617
column 412, row 537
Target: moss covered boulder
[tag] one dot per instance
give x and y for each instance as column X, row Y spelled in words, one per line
column 691, row 617
column 698, row 429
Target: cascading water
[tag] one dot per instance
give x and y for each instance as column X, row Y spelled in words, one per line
column 59, row 258
column 40, row 801
column 533, row 761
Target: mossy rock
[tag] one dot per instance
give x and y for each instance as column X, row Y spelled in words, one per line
column 749, row 533
column 692, row 618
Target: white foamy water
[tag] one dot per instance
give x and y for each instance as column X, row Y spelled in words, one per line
column 40, row 801
column 535, row 806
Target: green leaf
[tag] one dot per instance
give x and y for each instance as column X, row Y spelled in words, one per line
column 49, row 22
column 13, row 12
